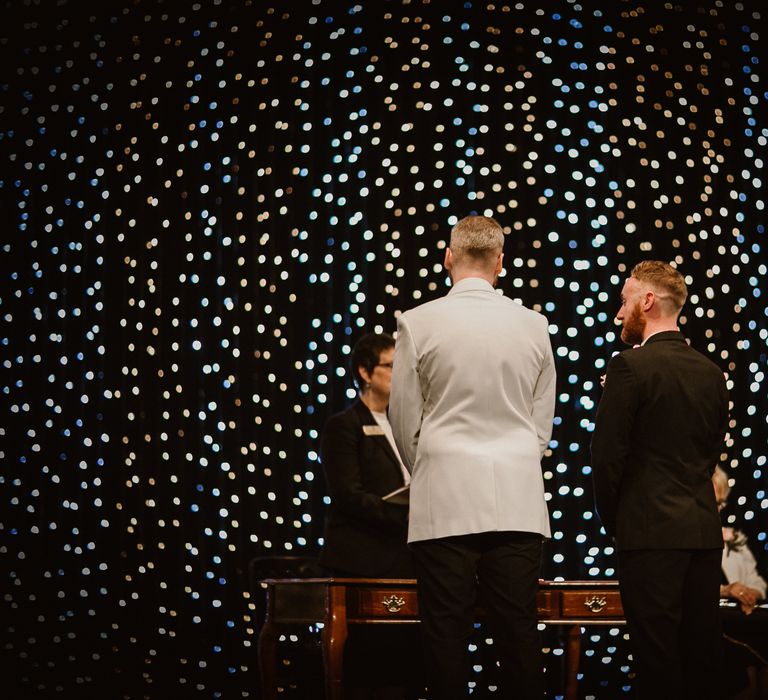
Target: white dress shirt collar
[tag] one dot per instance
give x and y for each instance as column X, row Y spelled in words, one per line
column 471, row 284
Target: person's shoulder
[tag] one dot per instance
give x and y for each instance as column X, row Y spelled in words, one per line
column 444, row 304
column 425, row 309
column 642, row 357
column 709, row 363
column 689, row 351
column 679, row 352
column 532, row 314
column 628, row 356
column 349, row 415
column 517, row 307
column 702, row 357
column 659, row 344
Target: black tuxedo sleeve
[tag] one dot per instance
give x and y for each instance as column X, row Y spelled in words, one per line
column 718, row 446
column 611, row 440
column 340, row 455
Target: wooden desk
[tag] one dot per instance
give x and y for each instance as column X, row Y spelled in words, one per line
column 339, row 602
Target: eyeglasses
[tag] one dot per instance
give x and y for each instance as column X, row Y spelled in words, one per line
column 388, row 365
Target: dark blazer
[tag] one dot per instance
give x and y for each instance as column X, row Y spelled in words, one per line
column 658, row 437
column 364, row 535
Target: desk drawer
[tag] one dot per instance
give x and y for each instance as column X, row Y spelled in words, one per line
column 548, row 604
column 381, row 603
column 596, row 603
column 398, row 603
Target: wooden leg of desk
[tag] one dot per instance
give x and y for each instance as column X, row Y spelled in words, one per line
column 572, row 654
column 334, row 639
column 268, row 661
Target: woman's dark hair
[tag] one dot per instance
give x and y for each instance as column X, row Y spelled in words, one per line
column 366, row 353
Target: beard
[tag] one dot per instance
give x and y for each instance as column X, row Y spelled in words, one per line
column 633, row 326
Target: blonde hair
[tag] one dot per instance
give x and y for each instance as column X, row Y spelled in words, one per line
column 666, row 281
column 477, row 238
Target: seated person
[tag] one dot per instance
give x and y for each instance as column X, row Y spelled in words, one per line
column 366, row 536
column 745, row 626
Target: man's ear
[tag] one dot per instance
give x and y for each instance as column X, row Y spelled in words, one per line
column 499, row 265
column 448, row 262
column 649, row 299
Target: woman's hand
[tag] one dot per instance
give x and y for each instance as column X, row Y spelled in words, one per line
column 745, row 596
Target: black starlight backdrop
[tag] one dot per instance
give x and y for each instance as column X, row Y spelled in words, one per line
column 205, row 204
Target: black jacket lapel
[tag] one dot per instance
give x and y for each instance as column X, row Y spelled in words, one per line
column 366, row 418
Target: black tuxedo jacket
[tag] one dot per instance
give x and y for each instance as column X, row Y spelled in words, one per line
column 658, row 437
column 364, row 535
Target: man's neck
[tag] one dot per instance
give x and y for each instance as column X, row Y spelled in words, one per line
column 659, row 327
column 459, row 275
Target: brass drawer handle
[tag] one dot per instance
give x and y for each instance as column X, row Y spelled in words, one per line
column 393, row 604
column 595, row 603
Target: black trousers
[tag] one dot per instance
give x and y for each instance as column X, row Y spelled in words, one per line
column 503, row 568
column 671, row 602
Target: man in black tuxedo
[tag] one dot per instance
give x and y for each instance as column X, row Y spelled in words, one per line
column 658, row 437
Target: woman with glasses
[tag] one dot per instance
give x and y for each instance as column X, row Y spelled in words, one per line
column 365, row 535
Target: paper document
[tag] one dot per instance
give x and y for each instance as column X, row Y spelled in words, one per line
column 399, row 496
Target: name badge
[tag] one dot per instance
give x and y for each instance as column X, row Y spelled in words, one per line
column 373, row 430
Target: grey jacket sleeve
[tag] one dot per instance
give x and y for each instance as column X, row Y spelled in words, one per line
column 406, row 402
column 544, row 396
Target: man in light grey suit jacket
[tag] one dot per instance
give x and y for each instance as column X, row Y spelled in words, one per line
column 471, row 408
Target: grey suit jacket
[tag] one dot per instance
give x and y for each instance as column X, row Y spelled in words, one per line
column 471, row 408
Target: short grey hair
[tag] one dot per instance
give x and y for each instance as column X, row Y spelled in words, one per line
column 477, row 238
